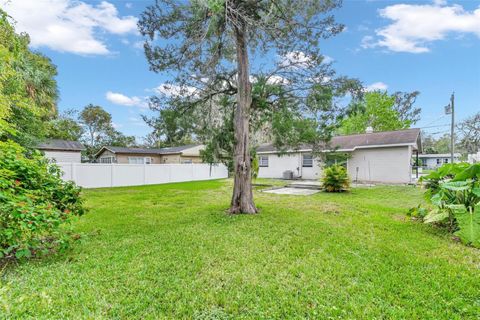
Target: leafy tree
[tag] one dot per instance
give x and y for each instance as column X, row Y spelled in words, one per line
column 99, row 130
column 436, row 145
column 208, row 46
column 405, row 106
column 469, row 132
column 65, row 127
column 382, row 112
column 28, row 90
column 168, row 127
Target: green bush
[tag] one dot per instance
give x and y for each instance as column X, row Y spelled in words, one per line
column 335, row 179
column 35, row 203
column 454, row 192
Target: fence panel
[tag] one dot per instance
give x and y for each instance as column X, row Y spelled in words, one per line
column 89, row 175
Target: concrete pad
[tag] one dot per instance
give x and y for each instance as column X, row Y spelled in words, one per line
column 293, row 191
column 305, row 183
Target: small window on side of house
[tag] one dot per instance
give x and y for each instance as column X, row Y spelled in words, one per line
column 445, row 160
column 307, row 160
column 439, row 161
column 263, row 161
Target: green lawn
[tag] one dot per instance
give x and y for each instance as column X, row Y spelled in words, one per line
column 171, row 251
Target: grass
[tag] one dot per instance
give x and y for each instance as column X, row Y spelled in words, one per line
column 171, row 251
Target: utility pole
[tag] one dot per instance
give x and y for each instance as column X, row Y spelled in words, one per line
column 450, row 109
column 452, row 133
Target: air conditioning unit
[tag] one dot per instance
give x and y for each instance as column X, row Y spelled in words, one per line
column 288, row 175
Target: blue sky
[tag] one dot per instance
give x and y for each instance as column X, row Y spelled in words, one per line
column 429, row 46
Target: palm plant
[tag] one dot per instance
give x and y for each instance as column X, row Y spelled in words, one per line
column 335, row 179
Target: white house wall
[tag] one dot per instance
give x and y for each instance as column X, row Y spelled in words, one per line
column 64, row 156
column 386, row 165
column 291, row 161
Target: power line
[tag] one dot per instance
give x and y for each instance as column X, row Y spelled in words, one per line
column 438, row 126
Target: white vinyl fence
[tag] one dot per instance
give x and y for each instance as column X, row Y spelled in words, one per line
column 96, row 175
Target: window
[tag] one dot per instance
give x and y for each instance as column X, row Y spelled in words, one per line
column 307, row 160
column 445, row 160
column 424, row 162
column 439, row 161
column 107, row 159
column 187, row 161
column 139, row 160
column 263, row 161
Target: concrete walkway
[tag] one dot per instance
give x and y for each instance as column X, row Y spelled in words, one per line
column 293, row 191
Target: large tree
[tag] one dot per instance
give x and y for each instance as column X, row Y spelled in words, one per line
column 65, row 126
column 99, row 130
column 207, row 46
column 382, row 112
column 28, row 90
column 469, row 133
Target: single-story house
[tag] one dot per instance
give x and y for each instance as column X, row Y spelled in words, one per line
column 62, row 150
column 383, row 157
column 432, row 161
column 182, row 154
column 473, row 158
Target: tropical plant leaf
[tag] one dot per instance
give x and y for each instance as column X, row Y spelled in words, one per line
column 471, row 172
column 456, row 185
column 436, row 199
column 469, row 225
column 436, row 215
column 476, row 191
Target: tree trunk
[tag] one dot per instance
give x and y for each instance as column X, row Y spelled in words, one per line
column 242, row 198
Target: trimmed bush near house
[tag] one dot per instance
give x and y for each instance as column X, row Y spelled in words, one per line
column 335, row 179
column 34, row 203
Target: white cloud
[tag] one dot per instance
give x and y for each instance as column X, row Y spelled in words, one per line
column 376, row 86
column 276, row 79
column 296, row 59
column 299, row 59
column 69, row 25
column 416, row 26
column 123, row 100
column 129, row 5
column 327, row 59
column 175, row 90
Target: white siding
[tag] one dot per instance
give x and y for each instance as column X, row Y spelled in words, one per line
column 291, row 161
column 64, row 156
column 386, row 165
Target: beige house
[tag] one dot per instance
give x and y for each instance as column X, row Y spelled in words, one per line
column 384, row 157
column 121, row 155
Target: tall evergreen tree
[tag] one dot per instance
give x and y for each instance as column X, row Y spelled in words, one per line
column 208, row 46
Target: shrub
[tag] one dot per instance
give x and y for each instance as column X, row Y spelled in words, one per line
column 35, row 203
column 454, row 192
column 335, row 179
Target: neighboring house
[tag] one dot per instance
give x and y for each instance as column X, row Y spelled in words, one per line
column 383, row 157
column 432, row 161
column 473, row 158
column 181, row 154
column 62, row 150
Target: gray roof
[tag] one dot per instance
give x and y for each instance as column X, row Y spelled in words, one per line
column 57, row 144
column 364, row 140
column 169, row 150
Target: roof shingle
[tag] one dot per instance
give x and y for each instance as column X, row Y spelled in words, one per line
column 350, row 142
column 57, row 144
